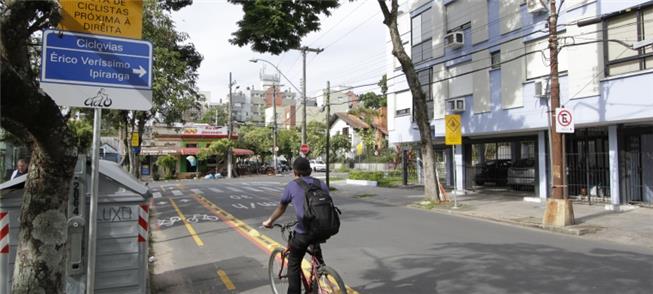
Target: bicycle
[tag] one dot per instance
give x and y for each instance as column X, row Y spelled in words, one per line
column 322, row 280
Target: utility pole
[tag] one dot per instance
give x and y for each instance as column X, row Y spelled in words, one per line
column 559, row 212
column 230, row 130
column 328, row 116
column 304, row 50
column 274, row 127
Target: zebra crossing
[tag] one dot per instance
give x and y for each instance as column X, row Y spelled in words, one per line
column 222, row 188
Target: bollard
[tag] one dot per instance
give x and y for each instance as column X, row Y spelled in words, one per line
column 143, row 224
column 4, row 252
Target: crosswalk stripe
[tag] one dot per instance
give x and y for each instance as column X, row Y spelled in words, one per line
column 216, row 190
column 197, row 191
column 271, row 189
column 253, row 189
column 177, row 193
column 234, row 189
column 156, row 194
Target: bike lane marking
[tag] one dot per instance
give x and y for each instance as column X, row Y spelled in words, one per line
column 262, row 241
column 189, row 227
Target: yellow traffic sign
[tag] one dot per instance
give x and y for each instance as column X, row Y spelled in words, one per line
column 359, row 148
column 453, row 134
column 134, row 139
column 120, row 18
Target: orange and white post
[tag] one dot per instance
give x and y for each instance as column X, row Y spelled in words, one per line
column 4, row 252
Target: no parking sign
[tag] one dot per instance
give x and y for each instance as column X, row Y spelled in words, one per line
column 564, row 121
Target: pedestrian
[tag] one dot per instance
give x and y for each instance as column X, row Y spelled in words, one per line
column 21, row 169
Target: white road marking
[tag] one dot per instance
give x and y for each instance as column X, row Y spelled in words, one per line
column 156, row 195
column 177, row 193
column 184, row 200
column 253, row 189
column 162, row 203
column 216, row 190
column 271, row 189
column 197, row 191
column 234, row 189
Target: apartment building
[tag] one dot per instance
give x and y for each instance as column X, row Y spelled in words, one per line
column 488, row 61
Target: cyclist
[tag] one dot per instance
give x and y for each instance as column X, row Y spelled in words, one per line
column 300, row 241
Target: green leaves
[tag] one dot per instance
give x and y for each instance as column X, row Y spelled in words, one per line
column 219, row 147
column 276, row 26
column 83, row 131
column 168, row 164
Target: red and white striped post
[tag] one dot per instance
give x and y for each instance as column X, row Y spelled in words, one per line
column 4, row 252
column 143, row 227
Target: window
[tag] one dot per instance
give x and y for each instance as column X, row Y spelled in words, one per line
column 402, row 112
column 191, row 145
column 424, row 78
column 421, row 33
column 496, row 59
column 345, row 131
column 630, row 27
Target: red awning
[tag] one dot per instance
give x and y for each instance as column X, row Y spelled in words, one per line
column 194, row 151
column 189, row 151
column 242, row 152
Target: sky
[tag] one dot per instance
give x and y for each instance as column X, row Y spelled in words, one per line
column 353, row 37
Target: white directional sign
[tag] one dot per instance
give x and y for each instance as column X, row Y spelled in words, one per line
column 564, row 121
column 95, row 71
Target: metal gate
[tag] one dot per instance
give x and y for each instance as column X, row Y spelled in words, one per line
column 587, row 166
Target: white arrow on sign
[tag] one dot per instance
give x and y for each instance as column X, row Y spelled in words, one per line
column 140, row 71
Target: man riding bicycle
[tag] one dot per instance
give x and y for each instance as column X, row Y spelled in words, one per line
column 295, row 194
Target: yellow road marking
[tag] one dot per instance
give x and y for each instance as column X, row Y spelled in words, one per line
column 189, row 227
column 262, row 240
column 225, row 279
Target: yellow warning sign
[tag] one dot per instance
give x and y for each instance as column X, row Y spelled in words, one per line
column 453, row 134
column 120, row 18
column 134, row 139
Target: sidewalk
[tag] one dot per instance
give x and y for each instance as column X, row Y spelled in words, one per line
column 632, row 227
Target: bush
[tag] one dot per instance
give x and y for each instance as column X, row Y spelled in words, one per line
column 368, row 176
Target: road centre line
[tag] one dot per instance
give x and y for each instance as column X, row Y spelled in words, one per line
column 262, row 241
column 225, row 279
column 189, row 227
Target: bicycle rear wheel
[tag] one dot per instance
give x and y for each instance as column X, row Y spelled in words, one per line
column 330, row 282
column 278, row 275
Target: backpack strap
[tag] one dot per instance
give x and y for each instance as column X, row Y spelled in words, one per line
column 307, row 186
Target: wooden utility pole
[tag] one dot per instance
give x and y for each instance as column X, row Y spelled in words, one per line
column 559, row 212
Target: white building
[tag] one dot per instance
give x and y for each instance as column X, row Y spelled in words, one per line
column 489, row 60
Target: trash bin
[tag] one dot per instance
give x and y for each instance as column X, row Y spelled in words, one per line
column 121, row 247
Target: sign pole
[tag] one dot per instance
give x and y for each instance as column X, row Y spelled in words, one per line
column 92, row 217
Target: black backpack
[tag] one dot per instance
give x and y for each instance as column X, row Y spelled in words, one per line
column 321, row 217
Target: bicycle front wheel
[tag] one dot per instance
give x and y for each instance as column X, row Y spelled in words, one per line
column 278, row 271
column 330, row 282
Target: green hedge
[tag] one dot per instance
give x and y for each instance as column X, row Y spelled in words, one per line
column 368, row 176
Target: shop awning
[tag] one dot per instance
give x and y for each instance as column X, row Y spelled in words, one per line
column 158, row 151
column 194, row 151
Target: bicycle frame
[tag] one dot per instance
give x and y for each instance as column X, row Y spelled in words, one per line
column 315, row 264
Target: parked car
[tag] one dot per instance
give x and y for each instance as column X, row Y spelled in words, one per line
column 318, row 165
column 495, row 171
column 522, row 173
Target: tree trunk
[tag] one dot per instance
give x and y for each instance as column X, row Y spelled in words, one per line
column 431, row 190
column 40, row 258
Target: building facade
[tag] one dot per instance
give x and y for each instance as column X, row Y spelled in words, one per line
column 489, row 62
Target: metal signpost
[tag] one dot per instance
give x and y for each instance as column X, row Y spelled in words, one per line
column 98, row 72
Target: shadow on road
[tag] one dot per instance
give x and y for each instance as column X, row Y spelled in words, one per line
column 510, row 268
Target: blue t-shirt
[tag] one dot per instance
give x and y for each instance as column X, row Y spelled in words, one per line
column 294, row 194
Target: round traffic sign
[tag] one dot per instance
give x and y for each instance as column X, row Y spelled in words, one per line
column 304, row 149
column 564, row 118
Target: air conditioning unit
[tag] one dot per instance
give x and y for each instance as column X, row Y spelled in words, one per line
column 454, row 39
column 456, row 105
column 541, row 87
column 535, row 6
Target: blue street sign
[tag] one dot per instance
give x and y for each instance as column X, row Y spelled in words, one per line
column 82, row 59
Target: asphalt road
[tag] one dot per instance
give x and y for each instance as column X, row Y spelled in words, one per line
column 219, row 248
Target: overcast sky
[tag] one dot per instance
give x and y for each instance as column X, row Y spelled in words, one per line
column 353, row 38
